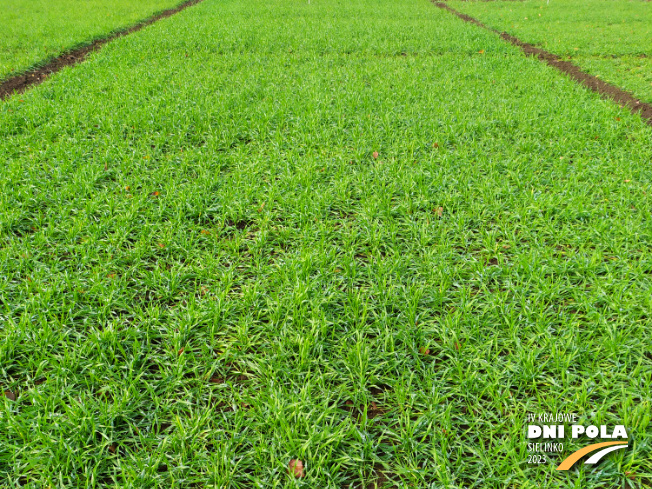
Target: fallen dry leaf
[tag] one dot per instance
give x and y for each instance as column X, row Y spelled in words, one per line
column 439, row 211
column 481, row 51
column 156, row 194
column 161, row 245
column 424, row 351
column 295, row 468
column 181, row 350
column 204, row 231
column 435, row 145
column 375, row 154
column 10, row 395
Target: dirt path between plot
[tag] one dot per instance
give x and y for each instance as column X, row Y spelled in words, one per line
column 20, row 83
column 604, row 89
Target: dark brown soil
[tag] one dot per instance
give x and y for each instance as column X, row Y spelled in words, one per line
column 20, row 83
column 604, row 89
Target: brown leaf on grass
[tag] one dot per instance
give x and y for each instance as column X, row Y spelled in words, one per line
column 295, row 468
column 424, row 351
column 481, row 51
column 627, row 181
column 457, row 345
column 127, row 187
column 435, row 145
column 216, row 380
column 260, row 209
column 439, row 211
column 617, row 118
column 10, row 395
column 111, row 275
column 375, row 154
column 205, row 231
column 181, row 350
column 155, row 194
column 160, row 245
column 112, row 448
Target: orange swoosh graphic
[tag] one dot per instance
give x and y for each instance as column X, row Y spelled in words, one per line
column 575, row 456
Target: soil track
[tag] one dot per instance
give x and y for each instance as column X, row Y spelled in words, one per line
column 20, row 83
column 604, row 89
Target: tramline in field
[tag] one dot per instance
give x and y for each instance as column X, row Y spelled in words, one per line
column 334, row 244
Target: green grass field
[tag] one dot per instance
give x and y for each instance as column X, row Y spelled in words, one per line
column 34, row 31
column 363, row 234
column 610, row 39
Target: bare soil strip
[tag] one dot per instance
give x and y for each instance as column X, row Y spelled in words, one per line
column 604, row 89
column 20, row 83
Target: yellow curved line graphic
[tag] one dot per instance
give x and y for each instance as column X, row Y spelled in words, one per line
column 575, row 456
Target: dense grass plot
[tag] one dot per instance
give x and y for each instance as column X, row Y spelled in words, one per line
column 612, row 40
column 361, row 234
column 33, row 31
